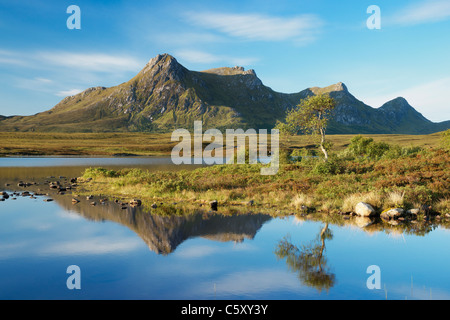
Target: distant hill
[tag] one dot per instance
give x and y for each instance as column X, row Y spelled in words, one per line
column 164, row 95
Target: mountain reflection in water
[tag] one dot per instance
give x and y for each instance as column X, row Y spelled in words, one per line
column 165, row 229
column 249, row 255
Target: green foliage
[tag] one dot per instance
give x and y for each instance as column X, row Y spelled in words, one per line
column 395, row 152
column 422, row 177
column 284, row 128
column 304, row 153
column 368, row 148
column 358, row 145
column 333, row 166
column 446, row 139
column 98, row 172
column 311, row 116
column 134, row 173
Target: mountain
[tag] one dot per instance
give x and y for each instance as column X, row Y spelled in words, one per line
column 394, row 117
column 164, row 96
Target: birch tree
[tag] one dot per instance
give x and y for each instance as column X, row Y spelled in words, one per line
column 311, row 117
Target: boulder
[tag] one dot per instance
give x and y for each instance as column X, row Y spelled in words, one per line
column 135, row 202
column 392, row 213
column 213, row 205
column 363, row 209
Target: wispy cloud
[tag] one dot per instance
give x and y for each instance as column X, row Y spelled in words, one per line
column 94, row 245
column 254, row 282
column 65, row 93
column 197, row 251
column 187, row 38
column 63, row 73
column 96, row 62
column 43, row 80
column 197, row 56
column 423, row 12
column 259, row 27
column 92, row 62
column 8, row 57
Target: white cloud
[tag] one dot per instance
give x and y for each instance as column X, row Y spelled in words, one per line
column 94, row 245
column 196, row 251
column 65, row 93
column 259, row 27
column 432, row 99
column 90, row 61
column 187, row 38
column 43, row 80
column 423, row 12
column 11, row 58
column 93, row 62
column 196, row 56
column 253, row 282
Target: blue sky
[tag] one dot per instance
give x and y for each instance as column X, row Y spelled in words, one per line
column 292, row 45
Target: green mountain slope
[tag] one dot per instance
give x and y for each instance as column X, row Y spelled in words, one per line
column 164, row 96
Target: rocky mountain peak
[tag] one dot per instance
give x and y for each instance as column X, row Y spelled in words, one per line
column 227, row 71
column 397, row 104
column 399, row 109
column 160, row 58
column 334, row 88
column 340, row 86
column 164, row 63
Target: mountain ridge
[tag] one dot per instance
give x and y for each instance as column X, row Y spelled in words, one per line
column 165, row 95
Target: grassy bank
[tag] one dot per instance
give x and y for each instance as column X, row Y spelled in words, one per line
column 381, row 174
column 155, row 144
column 84, row 144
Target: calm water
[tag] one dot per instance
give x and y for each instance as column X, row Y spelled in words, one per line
column 135, row 254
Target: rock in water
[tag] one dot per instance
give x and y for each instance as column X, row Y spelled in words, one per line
column 392, row 213
column 135, row 202
column 363, row 209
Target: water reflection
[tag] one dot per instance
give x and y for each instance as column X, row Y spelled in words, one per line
column 309, row 261
column 39, row 239
column 165, row 228
column 162, row 229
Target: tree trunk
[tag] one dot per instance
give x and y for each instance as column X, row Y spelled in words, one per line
column 322, row 141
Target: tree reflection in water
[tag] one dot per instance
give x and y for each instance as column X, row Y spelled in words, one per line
column 309, row 260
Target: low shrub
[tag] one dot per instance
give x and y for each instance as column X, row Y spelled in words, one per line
column 446, row 139
column 98, row 172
